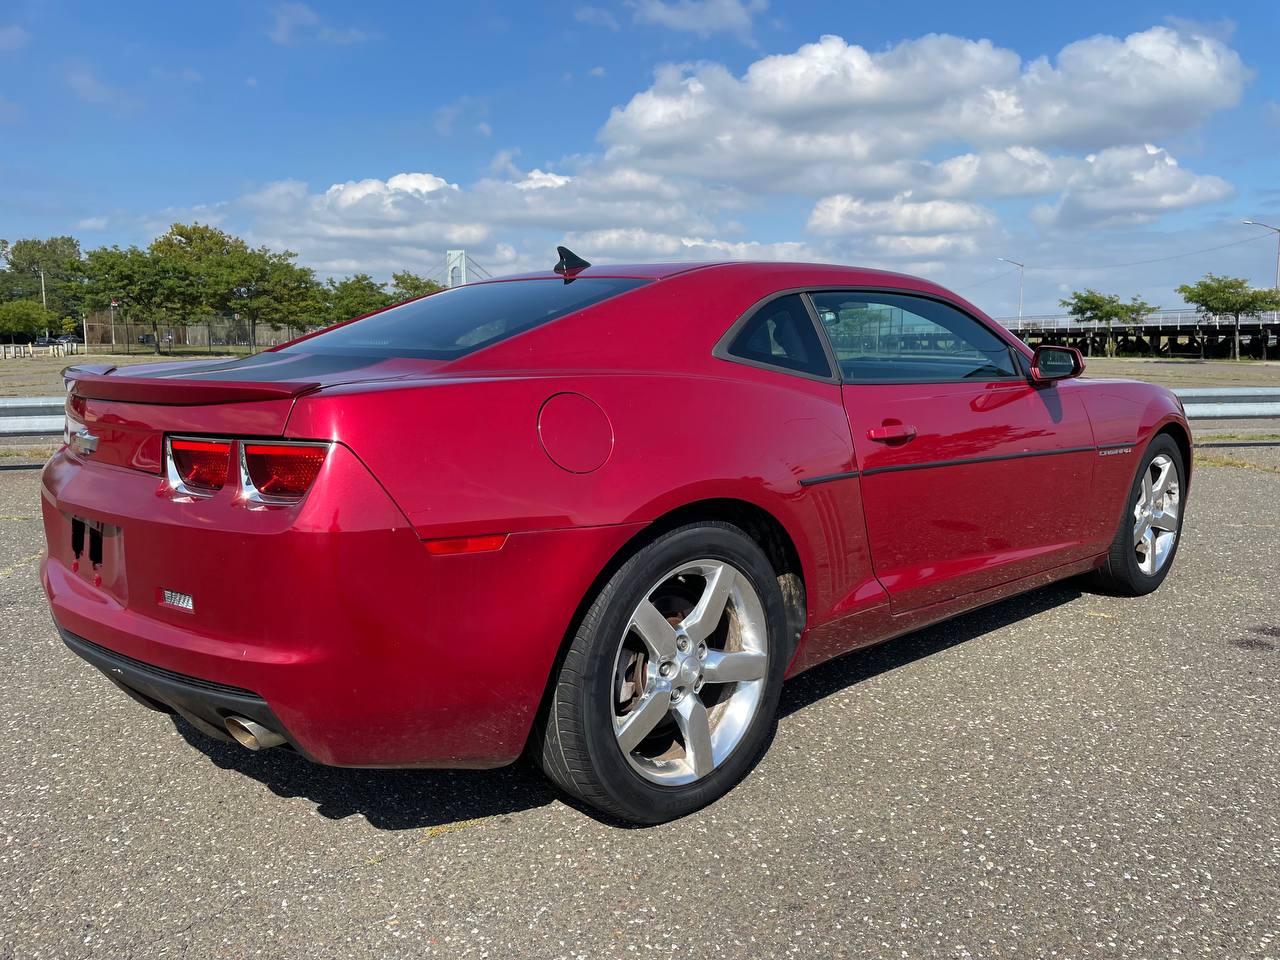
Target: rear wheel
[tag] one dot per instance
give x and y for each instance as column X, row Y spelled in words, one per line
column 668, row 690
column 1142, row 553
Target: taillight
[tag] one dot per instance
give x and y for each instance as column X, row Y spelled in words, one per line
column 281, row 471
column 73, row 416
column 200, row 464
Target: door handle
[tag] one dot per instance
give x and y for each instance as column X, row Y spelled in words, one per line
column 891, row 432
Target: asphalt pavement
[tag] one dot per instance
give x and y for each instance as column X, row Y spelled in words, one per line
column 1061, row 775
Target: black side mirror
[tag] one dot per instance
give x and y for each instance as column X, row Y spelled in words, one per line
column 1051, row 363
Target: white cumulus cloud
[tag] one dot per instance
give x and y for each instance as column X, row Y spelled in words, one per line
column 701, row 17
column 835, row 114
column 843, row 214
column 935, row 154
column 1129, row 184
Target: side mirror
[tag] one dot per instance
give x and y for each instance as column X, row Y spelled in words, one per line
column 1051, row 363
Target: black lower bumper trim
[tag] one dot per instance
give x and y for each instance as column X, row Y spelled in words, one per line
column 204, row 703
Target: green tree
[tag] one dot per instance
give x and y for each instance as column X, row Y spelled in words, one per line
column 259, row 285
column 22, row 318
column 153, row 287
column 410, row 286
column 213, row 259
column 267, row 287
column 58, row 259
column 1107, row 309
column 1219, row 296
column 353, row 297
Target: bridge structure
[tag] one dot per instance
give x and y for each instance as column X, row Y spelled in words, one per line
column 1165, row 333
column 459, row 268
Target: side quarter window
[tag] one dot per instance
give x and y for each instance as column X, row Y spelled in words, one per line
column 898, row 338
column 781, row 334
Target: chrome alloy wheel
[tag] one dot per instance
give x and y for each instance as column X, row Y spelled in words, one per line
column 1155, row 527
column 690, row 672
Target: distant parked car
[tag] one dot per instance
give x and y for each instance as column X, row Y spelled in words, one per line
column 71, row 338
column 147, row 338
column 45, row 341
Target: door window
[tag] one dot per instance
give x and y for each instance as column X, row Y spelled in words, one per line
column 893, row 338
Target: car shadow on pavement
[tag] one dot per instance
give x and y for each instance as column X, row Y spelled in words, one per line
column 388, row 799
column 853, row 668
column 415, row 799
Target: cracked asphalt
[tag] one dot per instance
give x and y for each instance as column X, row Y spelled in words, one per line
column 1061, row 775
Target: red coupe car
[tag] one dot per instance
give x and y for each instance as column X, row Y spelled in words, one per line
column 598, row 514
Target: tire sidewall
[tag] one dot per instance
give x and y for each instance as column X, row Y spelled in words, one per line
column 644, row 800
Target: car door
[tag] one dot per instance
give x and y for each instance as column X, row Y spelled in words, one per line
column 971, row 476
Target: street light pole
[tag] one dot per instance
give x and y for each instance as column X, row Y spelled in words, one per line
column 1021, row 267
column 1276, row 230
column 44, row 300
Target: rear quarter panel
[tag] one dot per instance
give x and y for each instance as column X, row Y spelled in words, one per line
column 463, row 456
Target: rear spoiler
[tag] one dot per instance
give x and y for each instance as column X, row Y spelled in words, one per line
column 95, row 382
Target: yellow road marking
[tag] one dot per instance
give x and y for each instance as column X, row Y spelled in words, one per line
column 430, row 833
column 18, row 566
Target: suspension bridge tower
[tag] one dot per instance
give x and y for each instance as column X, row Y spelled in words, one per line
column 455, row 268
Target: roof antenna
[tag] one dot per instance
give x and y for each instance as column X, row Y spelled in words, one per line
column 570, row 263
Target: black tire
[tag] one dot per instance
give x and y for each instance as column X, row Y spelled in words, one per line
column 574, row 740
column 1121, row 573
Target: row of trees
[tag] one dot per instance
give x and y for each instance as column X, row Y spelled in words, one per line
column 1212, row 296
column 188, row 274
column 195, row 271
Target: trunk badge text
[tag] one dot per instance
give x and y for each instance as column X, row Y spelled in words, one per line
column 84, row 442
column 182, row 601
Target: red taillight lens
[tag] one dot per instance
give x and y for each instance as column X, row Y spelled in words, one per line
column 282, row 470
column 201, row 463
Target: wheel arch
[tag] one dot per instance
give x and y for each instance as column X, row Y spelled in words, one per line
column 769, row 533
column 1182, row 437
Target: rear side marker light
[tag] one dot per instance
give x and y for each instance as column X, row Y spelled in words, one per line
column 280, row 472
column 456, row 545
column 199, row 465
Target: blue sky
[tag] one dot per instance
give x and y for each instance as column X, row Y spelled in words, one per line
column 928, row 137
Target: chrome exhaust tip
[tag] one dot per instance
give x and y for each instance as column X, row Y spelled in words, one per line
column 252, row 735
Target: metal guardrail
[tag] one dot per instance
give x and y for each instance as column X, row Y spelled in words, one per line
column 1230, row 403
column 43, row 416
column 31, row 416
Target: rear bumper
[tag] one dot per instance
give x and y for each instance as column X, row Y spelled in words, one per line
column 328, row 623
column 203, row 703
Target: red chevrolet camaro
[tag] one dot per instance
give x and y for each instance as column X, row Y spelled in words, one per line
column 598, row 514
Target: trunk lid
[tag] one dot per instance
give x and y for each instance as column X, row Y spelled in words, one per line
column 130, row 410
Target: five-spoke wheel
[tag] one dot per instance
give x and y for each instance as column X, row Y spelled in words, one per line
column 669, row 687
column 1143, row 549
column 1155, row 526
column 690, row 671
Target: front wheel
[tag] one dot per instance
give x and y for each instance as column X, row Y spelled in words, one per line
column 669, row 688
column 1142, row 553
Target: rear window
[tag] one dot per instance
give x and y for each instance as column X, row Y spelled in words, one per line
column 455, row 322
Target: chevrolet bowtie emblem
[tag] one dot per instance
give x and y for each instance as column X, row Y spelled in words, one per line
column 84, row 442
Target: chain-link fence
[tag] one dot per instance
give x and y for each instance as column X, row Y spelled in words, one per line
column 112, row 331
